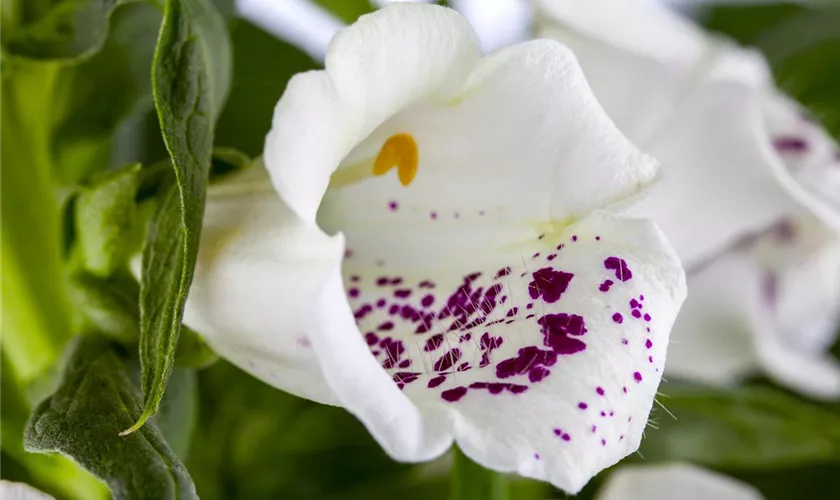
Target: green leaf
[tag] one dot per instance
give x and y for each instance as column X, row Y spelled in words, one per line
column 99, row 104
column 94, row 401
column 347, row 10
column 471, row 481
column 191, row 76
column 65, row 30
column 193, row 352
column 179, row 411
column 107, row 306
column 105, row 213
column 749, row 427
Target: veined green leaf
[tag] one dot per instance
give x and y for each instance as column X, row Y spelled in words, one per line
column 94, row 401
column 191, row 77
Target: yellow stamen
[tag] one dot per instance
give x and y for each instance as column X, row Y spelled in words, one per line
column 400, row 150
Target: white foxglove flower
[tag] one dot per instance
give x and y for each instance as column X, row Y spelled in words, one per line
column 738, row 155
column 739, row 158
column 773, row 304
column 482, row 296
column 21, row 491
column 672, row 481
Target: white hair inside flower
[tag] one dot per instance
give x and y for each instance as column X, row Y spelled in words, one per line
column 434, row 251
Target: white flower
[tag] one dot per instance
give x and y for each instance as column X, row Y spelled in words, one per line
column 21, row 491
column 738, row 155
column 481, row 296
column 671, row 481
column 774, row 304
column 739, row 159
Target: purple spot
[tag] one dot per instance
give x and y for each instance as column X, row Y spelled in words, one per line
column 503, row 272
column 634, row 304
column 637, row 376
column 528, row 359
column 636, row 313
column 574, row 237
column 402, row 293
column 603, row 414
column 512, row 312
column 447, row 360
column 537, row 456
column 433, row 342
column 454, row 394
column 487, row 343
column 363, row 311
column 498, row 388
column 556, row 330
column 382, row 281
column 647, row 317
column 393, row 350
column 535, row 255
column 426, row 284
column 436, row 381
column 396, row 281
column 394, row 309
column 551, row 257
column 371, row 338
column 648, row 343
column 380, row 303
column 353, row 293
column 597, row 238
column 650, row 359
column 354, row 279
column 594, row 428
column 603, row 442
column 433, row 215
column 549, row 284
column 583, row 405
column 605, row 286
column 619, row 266
column 790, row 144
column 530, row 305
column 386, row 326
column 600, row 391
column 624, row 389
column 618, row 318
column 392, row 205
column 404, row 363
column 405, row 377
column 624, row 341
column 427, row 301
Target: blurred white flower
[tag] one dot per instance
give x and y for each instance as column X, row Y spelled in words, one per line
column 21, row 491
column 481, row 297
column 739, row 158
column 673, row 481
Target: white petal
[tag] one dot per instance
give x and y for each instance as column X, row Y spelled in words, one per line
column 539, row 363
column 796, row 319
column 717, row 185
column 805, row 157
column 259, row 272
column 774, row 305
column 672, row 481
column 637, row 26
column 502, row 162
column 710, row 341
column 21, row 491
column 372, row 71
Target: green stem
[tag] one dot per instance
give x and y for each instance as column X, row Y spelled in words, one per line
column 35, row 321
column 471, row 481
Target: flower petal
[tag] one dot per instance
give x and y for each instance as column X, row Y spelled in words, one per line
column 773, row 305
column 804, row 156
column 324, row 114
column 666, row 482
column 496, row 166
column 21, row 491
column 259, row 272
column 543, row 363
column 717, row 185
